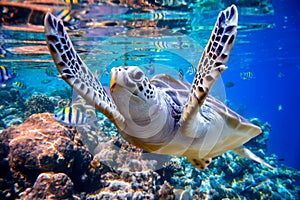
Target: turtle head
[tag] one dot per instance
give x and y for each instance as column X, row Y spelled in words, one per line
column 136, row 98
column 133, row 81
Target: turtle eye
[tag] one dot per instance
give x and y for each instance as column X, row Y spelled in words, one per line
column 137, row 75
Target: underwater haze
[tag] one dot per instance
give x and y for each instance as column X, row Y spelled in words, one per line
column 85, row 156
column 274, row 62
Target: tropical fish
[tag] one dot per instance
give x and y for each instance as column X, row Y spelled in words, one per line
column 249, row 184
column 2, row 52
column 80, row 104
column 229, row 84
column 280, row 75
column 6, row 75
column 160, row 45
column 180, row 74
column 246, row 75
column 168, row 3
column 71, row 1
column 66, row 17
column 80, row 113
column 191, row 70
column 70, row 116
column 46, row 81
column 50, row 72
column 14, row 70
column 150, row 69
column 19, row 84
column 158, row 15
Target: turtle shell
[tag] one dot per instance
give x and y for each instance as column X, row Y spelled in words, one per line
column 179, row 91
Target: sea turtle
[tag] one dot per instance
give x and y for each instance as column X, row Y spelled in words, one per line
column 163, row 115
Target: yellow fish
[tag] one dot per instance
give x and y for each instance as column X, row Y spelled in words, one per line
column 246, row 75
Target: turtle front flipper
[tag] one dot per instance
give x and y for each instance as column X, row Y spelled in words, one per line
column 211, row 65
column 75, row 72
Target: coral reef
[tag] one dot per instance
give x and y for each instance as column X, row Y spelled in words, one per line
column 127, row 185
column 259, row 144
column 14, row 109
column 10, row 96
column 40, row 145
column 39, row 104
column 50, row 185
column 41, row 159
column 11, row 107
column 234, row 177
column 168, row 170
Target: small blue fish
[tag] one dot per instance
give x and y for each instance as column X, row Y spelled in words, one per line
column 2, row 52
column 229, row 84
column 180, row 74
column 150, row 69
column 248, row 185
column 19, row 84
column 6, row 75
column 45, row 81
column 246, row 75
column 281, row 75
column 70, row 116
column 50, row 72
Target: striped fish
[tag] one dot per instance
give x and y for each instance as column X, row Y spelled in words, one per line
column 180, row 74
column 71, row 1
column 158, row 16
column 161, row 45
column 5, row 75
column 171, row 3
column 19, row 85
column 246, row 75
column 70, row 116
column 66, row 16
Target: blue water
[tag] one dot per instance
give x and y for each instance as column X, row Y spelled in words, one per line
column 275, row 62
column 269, row 52
column 261, row 82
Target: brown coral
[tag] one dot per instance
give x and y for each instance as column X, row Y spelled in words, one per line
column 127, row 185
column 41, row 144
column 50, row 186
column 39, row 104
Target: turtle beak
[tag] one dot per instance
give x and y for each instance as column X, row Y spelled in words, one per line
column 112, row 83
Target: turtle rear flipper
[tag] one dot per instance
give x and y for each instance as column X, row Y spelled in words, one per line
column 200, row 163
column 75, row 72
column 211, row 65
column 243, row 151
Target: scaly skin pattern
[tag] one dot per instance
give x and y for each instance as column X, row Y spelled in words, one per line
column 163, row 115
column 212, row 63
column 75, row 72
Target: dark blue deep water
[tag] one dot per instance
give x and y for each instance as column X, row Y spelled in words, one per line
column 273, row 94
